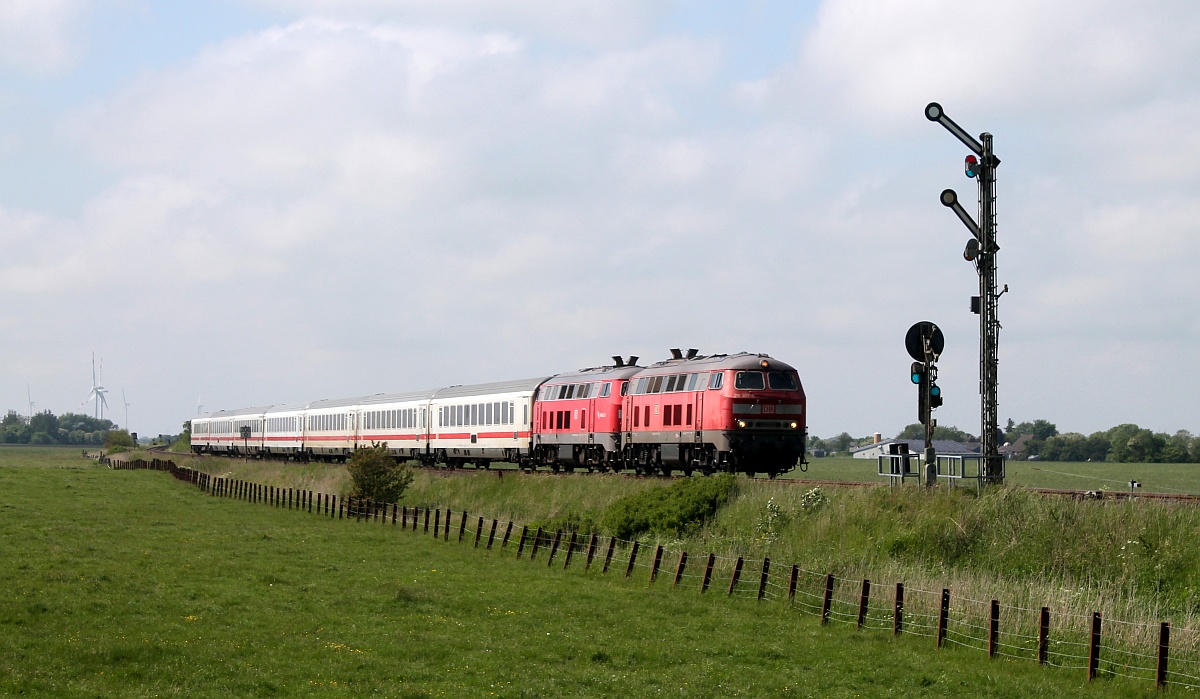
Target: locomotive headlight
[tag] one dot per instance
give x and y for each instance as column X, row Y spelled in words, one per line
column 741, row 423
column 795, row 425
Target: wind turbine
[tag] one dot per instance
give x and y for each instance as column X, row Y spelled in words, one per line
column 127, row 404
column 98, row 391
column 199, row 406
column 29, row 396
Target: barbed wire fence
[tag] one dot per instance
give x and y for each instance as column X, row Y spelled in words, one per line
column 1102, row 647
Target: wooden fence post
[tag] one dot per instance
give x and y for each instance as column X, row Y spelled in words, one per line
column 658, row 551
column 1164, row 643
column 943, row 617
column 521, row 545
column 478, row 532
column 437, row 522
column 864, row 599
column 1044, row 636
column 395, row 507
column 462, row 527
column 570, row 550
column 827, row 600
column 762, row 583
column 537, row 542
column 341, row 502
column 507, row 533
column 898, row 611
column 708, row 568
column 449, row 514
column 632, row 557
column 427, row 522
column 492, row 534
column 737, row 573
column 1094, row 647
column 792, row 580
column 591, row 552
column 679, row 569
column 554, row 548
column 994, row 629
column 612, row 546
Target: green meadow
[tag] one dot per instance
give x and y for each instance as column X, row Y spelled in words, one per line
column 133, row 584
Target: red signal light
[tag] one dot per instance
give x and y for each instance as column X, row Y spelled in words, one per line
column 971, row 166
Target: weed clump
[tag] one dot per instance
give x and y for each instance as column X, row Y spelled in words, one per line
column 677, row 510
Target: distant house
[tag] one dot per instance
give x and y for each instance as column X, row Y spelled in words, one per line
column 915, row 446
column 1018, row 449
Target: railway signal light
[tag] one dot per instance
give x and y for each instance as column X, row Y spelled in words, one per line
column 971, row 166
column 918, row 373
column 935, row 397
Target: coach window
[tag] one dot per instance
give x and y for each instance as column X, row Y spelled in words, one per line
column 715, row 381
column 604, row 390
column 655, row 384
column 670, row 384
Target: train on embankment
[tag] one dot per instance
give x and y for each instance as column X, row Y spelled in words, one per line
column 741, row 413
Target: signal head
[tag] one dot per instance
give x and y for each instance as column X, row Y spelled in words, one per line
column 972, row 250
column 971, row 166
column 918, row 372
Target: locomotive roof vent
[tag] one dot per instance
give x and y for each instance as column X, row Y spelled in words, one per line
column 676, row 353
column 632, row 360
column 692, row 353
column 619, row 362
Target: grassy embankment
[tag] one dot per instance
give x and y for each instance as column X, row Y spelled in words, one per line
column 128, row 583
column 1133, row 561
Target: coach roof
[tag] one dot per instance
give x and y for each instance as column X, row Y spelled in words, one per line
column 481, row 389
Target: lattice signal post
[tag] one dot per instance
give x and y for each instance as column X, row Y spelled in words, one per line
column 981, row 250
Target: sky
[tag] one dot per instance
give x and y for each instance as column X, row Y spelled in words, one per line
column 247, row 202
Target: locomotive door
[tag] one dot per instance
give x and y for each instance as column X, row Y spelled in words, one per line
column 698, row 423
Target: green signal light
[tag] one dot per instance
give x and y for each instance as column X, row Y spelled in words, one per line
column 935, row 391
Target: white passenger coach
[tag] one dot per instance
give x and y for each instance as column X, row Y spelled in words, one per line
column 454, row 425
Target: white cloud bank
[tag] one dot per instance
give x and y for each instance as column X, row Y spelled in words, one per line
column 382, row 196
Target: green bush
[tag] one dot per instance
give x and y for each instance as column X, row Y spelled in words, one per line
column 118, row 438
column 675, row 510
column 376, row 475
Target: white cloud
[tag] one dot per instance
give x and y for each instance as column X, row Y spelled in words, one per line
column 39, row 36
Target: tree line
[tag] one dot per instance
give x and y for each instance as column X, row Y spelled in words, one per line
column 1127, row 443
column 47, row 428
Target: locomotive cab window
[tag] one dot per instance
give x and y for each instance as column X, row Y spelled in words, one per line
column 749, row 381
column 781, row 381
column 715, row 381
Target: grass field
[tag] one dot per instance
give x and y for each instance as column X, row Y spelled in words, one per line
column 132, row 584
column 1155, row 478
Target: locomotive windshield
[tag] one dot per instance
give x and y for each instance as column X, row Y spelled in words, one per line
column 781, row 381
column 749, row 381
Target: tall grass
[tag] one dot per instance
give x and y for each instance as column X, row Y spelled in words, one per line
column 1136, row 560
